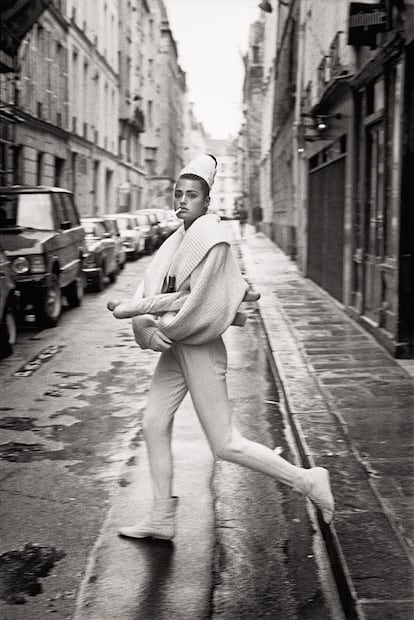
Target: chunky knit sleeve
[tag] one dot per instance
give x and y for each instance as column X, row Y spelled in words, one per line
column 216, row 290
column 143, row 326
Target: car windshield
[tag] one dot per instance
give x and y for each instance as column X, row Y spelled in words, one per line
column 142, row 220
column 111, row 227
column 90, row 228
column 26, row 211
column 125, row 223
column 93, row 229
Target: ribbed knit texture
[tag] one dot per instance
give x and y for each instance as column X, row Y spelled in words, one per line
column 202, row 263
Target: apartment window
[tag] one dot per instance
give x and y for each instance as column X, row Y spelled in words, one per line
column 17, row 164
column 59, row 168
column 39, row 168
column 149, row 112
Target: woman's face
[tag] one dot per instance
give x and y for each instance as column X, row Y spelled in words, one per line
column 189, row 201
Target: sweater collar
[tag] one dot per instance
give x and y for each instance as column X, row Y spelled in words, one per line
column 203, row 234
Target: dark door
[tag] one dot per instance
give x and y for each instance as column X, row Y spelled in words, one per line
column 326, row 226
column 374, row 237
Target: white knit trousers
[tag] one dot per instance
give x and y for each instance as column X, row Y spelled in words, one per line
column 201, row 370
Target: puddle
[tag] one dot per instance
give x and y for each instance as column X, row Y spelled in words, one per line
column 20, row 452
column 17, row 424
column 20, row 571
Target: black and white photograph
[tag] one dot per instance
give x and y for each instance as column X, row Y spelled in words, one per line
column 206, row 310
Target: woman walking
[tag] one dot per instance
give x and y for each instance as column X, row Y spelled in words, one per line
column 195, row 287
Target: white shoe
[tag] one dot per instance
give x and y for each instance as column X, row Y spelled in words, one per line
column 160, row 523
column 317, row 487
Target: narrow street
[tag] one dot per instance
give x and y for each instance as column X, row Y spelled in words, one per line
column 74, row 469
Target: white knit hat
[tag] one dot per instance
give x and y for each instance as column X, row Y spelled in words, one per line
column 203, row 166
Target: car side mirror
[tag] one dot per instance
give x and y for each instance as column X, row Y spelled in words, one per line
column 66, row 225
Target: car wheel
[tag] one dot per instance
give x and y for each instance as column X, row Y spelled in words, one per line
column 98, row 283
column 74, row 292
column 49, row 305
column 8, row 332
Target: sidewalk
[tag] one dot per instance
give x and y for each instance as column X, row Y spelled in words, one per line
column 350, row 405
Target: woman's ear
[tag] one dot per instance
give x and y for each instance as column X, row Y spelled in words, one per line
column 206, row 201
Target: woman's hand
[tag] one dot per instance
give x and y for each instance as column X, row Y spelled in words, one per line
column 160, row 342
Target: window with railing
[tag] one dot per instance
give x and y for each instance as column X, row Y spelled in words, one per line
column 336, row 67
column 322, row 75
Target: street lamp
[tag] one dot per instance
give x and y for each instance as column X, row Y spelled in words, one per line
column 265, row 6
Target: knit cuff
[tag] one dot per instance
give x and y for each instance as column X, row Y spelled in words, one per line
column 144, row 328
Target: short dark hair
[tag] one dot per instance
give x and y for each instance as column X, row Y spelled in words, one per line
column 194, row 177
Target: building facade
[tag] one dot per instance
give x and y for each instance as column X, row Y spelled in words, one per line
column 195, row 138
column 133, row 74
column 226, row 192
column 93, row 100
column 164, row 146
column 268, row 88
column 251, row 130
column 41, row 102
column 93, row 41
column 342, row 156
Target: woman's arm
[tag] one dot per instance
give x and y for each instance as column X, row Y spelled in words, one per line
column 216, row 290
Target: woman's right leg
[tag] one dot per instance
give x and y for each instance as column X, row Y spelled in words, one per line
column 167, row 390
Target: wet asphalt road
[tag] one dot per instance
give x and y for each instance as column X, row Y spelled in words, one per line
column 73, row 468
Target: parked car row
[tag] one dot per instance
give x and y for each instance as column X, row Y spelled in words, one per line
column 48, row 253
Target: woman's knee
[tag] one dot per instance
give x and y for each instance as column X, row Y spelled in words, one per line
column 230, row 447
column 155, row 426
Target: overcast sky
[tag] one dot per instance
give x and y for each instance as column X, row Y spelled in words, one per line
column 211, row 35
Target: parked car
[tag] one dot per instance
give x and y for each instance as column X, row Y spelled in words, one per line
column 156, row 234
column 132, row 238
column 147, row 231
column 112, row 227
column 169, row 222
column 8, row 307
column 41, row 234
column 99, row 259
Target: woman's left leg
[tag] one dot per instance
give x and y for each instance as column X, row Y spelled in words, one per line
column 205, row 368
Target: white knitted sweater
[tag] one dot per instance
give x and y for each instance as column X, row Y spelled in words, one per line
column 201, row 261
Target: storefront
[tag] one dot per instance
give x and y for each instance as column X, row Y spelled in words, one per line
column 326, row 209
column 382, row 257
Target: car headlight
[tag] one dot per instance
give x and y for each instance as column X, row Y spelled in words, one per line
column 21, row 265
column 89, row 258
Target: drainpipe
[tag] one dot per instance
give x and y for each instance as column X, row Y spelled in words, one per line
column 297, row 245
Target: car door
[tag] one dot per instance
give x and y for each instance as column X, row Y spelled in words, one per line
column 73, row 233
column 6, row 282
column 110, row 242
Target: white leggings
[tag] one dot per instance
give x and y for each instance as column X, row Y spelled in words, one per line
column 201, row 370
